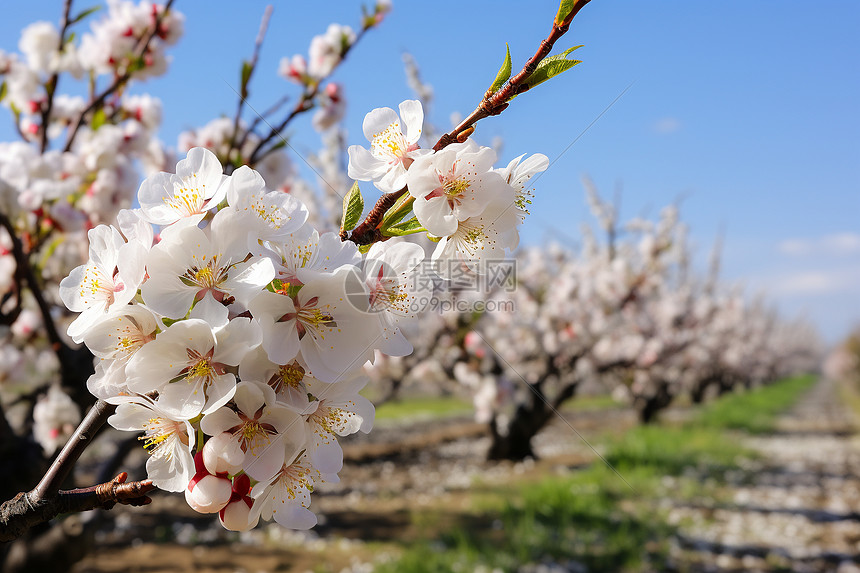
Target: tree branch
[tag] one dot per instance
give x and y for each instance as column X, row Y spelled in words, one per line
column 73, row 449
column 76, row 364
column 368, row 231
column 260, row 118
column 303, row 105
column 258, row 44
column 22, row 261
column 51, row 85
column 45, row 501
column 26, row 510
column 120, row 80
column 494, row 104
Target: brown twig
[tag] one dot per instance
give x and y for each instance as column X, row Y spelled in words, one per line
column 494, row 104
column 46, row 501
column 25, row 510
column 120, row 80
column 303, row 105
column 260, row 118
column 22, row 261
column 51, row 85
column 68, row 456
column 258, row 44
column 368, row 231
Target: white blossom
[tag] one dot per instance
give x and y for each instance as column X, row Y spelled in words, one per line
column 393, row 147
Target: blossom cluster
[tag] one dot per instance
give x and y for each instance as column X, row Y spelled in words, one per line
column 325, row 53
column 89, row 167
column 235, row 342
column 470, row 207
column 327, row 50
column 114, row 41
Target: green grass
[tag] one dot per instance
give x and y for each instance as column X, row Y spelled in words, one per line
column 755, row 411
column 672, row 450
column 423, row 408
column 552, row 520
column 592, row 516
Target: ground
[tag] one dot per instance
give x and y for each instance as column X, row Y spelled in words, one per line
column 800, row 511
column 788, row 504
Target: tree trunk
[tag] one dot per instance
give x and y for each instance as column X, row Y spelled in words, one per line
column 649, row 406
column 697, row 394
column 529, row 419
column 700, row 389
column 516, row 443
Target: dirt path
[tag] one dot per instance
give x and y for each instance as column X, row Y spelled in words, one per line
column 798, row 509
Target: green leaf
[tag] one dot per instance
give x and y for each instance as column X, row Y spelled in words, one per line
column 367, row 20
column 84, row 14
column 504, row 72
column 434, row 238
column 564, row 10
column 168, row 322
column 408, row 228
column 551, row 67
column 353, row 207
column 71, row 38
column 99, row 119
column 135, row 65
column 397, row 212
column 247, row 68
column 364, row 248
column 3, row 90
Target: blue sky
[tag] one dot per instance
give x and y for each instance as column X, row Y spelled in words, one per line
column 746, row 110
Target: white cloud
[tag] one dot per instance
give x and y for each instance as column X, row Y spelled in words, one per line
column 836, row 244
column 795, row 247
column 843, row 243
column 667, row 125
column 811, row 282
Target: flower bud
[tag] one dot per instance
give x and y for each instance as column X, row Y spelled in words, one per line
column 236, row 515
column 207, row 493
column 222, row 454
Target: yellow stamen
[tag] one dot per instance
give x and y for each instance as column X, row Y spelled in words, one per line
column 455, row 187
column 202, row 369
